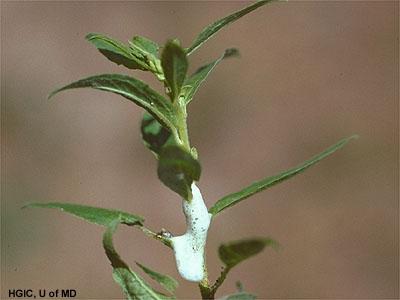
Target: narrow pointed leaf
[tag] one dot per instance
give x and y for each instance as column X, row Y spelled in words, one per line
column 132, row 284
column 175, row 65
column 239, row 296
column 177, row 169
column 96, row 215
column 169, row 283
column 259, row 186
column 213, row 28
column 235, row 252
column 116, row 51
column 193, row 82
column 154, row 135
column 132, row 89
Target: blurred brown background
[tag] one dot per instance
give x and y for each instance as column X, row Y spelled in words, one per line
column 309, row 74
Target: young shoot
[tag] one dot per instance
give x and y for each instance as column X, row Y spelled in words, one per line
column 164, row 132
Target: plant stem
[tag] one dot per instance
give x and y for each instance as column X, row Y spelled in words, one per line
column 198, row 211
column 219, row 280
column 204, row 285
column 180, row 110
column 207, row 291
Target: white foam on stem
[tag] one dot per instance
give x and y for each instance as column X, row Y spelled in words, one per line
column 189, row 247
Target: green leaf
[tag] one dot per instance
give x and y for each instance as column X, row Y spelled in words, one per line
column 235, row 252
column 259, row 186
column 132, row 89
column 96, row 215
column 116, row 51
column 239, row 296
column 169, row 283
column 113, row 256
column 193, row 82
column 149, row 54
column 177, row 169
column 213, row 28
column 135, row 287
column 132, row 284
column 154, row 135
column 145, row 46
column 175, row 65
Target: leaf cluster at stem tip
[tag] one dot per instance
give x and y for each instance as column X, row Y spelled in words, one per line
column 164, row 125
column 165, row 133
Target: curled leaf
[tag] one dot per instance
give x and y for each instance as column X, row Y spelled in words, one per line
column 132, row 89
column 167, row 282
column 177, row 169
column 131, row 283
column 154, row 135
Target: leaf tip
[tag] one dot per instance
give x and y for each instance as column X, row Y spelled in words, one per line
column 50, row 95
column 138, row 264
column 174, row 41
column 33, row 205
column 231, row 52
column 90, row 36
column 27, row 205
column 344, row 141
column 354, row 137
column 274, row 244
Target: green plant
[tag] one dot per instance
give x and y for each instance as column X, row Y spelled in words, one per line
column 164, row 132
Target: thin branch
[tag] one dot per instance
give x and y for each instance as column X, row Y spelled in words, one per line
column 166, row 241
column 220, row 280
column 207, row 291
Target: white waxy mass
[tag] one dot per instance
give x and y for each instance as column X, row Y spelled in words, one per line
column 189, row 248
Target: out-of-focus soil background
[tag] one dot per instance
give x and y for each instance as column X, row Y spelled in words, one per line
column 309, row 74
